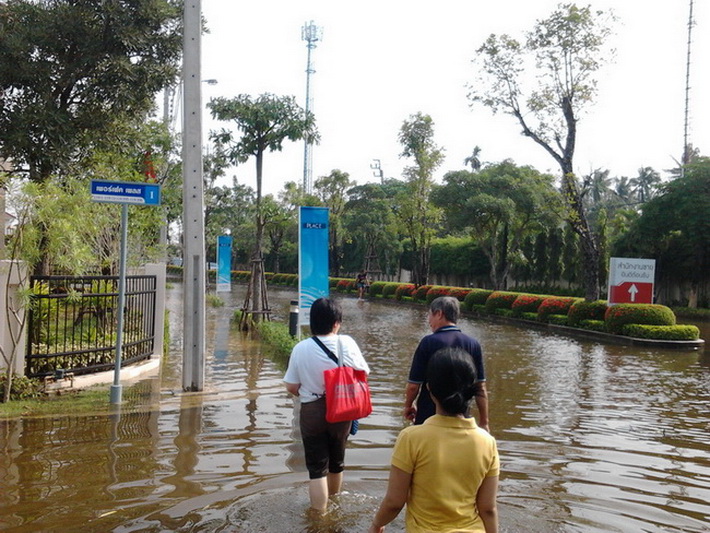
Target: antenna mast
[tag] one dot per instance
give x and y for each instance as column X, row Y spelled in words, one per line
column 311, row 34
column 686, row 148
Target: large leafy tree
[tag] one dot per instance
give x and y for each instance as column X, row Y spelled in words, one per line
column 559, row 59
column 674, row 228
column 372, row 239
column 331, row 190
column 498, row 206
column 263, row 123
column 70, row 71
column 418, row 216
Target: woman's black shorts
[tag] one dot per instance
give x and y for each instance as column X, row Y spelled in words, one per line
column 324, row 443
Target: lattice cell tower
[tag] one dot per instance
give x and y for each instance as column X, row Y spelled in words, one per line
column 311, row 34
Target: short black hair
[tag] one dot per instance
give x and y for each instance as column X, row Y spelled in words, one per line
column 324, row 314
column 451, row 377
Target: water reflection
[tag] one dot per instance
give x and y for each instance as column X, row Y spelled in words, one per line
column 592, row 438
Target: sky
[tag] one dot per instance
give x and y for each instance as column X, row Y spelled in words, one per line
column 379, row 62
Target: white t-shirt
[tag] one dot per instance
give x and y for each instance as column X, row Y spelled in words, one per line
column 308, row 361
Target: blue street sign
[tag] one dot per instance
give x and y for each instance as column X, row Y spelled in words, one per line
column 123, row 192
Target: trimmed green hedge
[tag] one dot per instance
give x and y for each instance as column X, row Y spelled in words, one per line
column 558, row 320
column 584, row 310
column 475, row 298
column 617, row 316
column 389, row 289
column 682, row 332
column 500, row 300
column 377, row 287
column 594, row 325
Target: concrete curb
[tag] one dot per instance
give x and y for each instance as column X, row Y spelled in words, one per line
column 128, row 373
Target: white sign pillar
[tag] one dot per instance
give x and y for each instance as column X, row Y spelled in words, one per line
column 193, row 361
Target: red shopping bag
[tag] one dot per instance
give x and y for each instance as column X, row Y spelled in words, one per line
column 347, row 394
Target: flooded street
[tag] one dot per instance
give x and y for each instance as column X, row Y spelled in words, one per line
column 592, row 437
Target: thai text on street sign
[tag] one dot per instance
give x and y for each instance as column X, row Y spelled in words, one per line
column 124, row 192
column 631, row 280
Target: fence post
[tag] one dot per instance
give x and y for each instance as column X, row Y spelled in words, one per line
column 158, row 270
column 12, row 275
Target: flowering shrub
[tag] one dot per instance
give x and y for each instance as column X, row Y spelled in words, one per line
column 618, row 316
column 500, row 300
column 527, row 303
column 555, row 305
column 345, row 285
column 420, row 294
column 389, row 289
column 682, row 332
column 476, row 297
column 583, row 310
column 435, row 292
column 459, row 293
column 404, row 290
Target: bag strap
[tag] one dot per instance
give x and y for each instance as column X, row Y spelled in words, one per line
column 327, row 350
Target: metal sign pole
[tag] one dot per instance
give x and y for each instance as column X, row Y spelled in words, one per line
column 116, row 388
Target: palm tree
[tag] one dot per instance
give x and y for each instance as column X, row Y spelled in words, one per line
column 645, row 184
column 473, row 159
column 622, row 189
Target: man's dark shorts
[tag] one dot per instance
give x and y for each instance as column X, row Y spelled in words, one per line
column 324, row 443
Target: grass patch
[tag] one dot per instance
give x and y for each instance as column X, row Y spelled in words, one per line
column 94, row 400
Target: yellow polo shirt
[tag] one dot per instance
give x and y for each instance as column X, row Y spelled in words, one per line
column 448, row 458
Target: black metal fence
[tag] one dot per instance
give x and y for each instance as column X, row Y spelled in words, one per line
column 72, row 323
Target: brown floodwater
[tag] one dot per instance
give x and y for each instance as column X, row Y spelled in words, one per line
column 593, row 438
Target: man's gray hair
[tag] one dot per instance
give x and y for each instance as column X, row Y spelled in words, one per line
column 448, row 305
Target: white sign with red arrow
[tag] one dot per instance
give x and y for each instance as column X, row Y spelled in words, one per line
column 631, row 280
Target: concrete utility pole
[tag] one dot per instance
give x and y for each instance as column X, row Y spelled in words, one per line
column 193, row 360
column 686, row 146
column 311, row 34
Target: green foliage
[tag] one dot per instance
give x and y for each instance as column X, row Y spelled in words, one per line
column 277, row 339
column 418, row 216
column 376, row 288
column 476, row 297
column 23, row 388
column 460, row 256
column 347, row 285
column 500, row 300
column 389, row 289
column 594, row 325
column 213, row 300
column 670, row 333
column 72, row 71
column 527, row 315
column 674, row 228
column 651, row 314
column 692, row 312
column 558, row 320
column 583, row 310
column 555, row 306
column 498, row 206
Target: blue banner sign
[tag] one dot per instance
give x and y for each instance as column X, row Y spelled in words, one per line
column 312, row 259
column 224, row 263
column 124, row 192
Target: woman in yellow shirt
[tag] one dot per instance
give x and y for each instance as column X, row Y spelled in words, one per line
column 445, row 470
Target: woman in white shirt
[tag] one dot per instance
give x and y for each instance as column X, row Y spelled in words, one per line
column 324, row 443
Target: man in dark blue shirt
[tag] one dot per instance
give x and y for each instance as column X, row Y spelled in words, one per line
column 443, row 314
